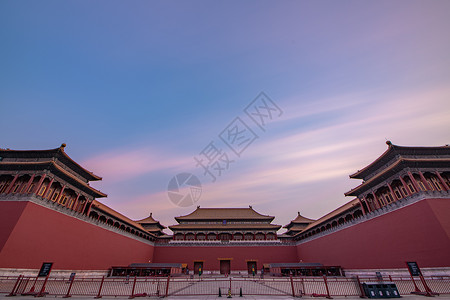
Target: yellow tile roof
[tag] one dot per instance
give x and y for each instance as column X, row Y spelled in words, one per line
column 224, row 214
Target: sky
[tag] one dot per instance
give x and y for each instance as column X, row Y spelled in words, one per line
column 138, row 90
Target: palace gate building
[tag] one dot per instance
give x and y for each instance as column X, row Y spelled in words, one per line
column 399, row 212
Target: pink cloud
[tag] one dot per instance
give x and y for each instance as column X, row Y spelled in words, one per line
column 306, row 171
column 123, row 164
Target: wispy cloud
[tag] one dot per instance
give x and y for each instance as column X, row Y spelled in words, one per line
column 304, row 170
column 123, row 164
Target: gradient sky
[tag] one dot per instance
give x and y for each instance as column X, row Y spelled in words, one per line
column 138, row 88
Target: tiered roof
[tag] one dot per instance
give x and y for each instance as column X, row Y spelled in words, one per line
column 394, row 160
column 395, row 153
column 54, row 160
column 151, row 225
column 56, row 155
column 397, row 158
column 225, row 219
column 297, row 225
column 225, row 214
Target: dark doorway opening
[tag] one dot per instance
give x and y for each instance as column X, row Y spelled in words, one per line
column 225, row 266
column 198, row 266
column 251, row 267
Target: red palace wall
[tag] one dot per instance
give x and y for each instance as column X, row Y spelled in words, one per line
column 9, row 216
column 239, row 255
column 31, row 234
column 419, row 232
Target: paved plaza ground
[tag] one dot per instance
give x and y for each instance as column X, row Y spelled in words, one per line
column 405, row 297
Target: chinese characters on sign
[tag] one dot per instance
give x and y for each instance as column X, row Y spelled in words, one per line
column 45, row 269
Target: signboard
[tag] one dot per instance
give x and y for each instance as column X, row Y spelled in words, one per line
column 413, row 268
column 72, row 276
column 45, row 269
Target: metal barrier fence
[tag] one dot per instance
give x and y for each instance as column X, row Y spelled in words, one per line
column 191, row 286
column 427, row 285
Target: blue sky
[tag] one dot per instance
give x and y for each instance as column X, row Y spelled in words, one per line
column 138, row 88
